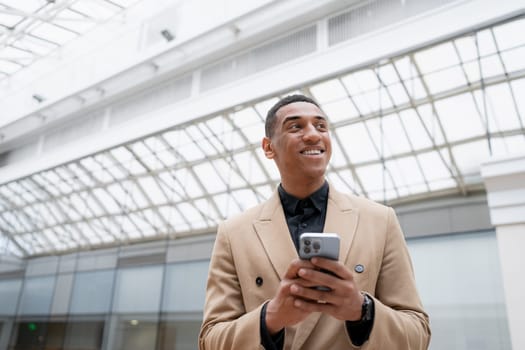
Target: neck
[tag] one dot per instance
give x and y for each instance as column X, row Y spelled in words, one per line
column 302, row 190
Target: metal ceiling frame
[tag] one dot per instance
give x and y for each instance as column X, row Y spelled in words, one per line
column 152, row 189
column 27, row 28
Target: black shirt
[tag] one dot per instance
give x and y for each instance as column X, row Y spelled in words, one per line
column 304, row 215
column 307, row 215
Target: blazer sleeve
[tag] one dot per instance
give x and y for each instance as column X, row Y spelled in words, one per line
column 226, row 323
column 400, row 322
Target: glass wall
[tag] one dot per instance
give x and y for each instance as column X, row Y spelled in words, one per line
column 460, row 283
column 37, row 295
column 57, row 334
column 9, row 293
column 92, row 292
column 138, row 290
column 178, row 299
column 152, row 306
column 159, row 306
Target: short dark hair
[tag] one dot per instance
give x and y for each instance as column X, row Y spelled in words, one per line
column 269, row 126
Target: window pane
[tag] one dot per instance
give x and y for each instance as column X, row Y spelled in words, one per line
column 179, row 335
column 84, row 334
column 460, row 318
column 185, row 286
column 138, row 289
column 37, row 296
column 357, row 143
column 134, row 334
column 9, row 292
column 92, row 292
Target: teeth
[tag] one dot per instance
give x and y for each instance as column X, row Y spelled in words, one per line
column 312, row 152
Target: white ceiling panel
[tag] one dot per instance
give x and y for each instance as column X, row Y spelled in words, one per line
column 39, row 27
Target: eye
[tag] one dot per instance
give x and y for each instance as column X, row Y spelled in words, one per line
column 294, row 126
column 322, row 126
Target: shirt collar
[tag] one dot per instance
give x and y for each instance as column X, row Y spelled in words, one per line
column 318, row 199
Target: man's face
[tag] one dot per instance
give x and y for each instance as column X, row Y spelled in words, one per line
column 300, row 145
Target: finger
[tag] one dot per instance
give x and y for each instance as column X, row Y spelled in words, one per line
column 311, row 294
column 314, row 306
column 316, row 277
column 295, row 265
column 336, row 267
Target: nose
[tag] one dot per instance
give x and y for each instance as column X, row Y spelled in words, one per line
column 311, row 134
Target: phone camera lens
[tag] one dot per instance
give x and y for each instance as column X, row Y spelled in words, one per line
column 307, row 242
column 307, row 250
column 317, row 245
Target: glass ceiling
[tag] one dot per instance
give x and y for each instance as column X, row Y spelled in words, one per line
column 409, row 127
column 31, row 29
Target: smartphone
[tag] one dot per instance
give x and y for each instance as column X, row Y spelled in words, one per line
column 325, row 245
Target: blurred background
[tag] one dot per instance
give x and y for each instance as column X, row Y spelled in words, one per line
column 130, row 128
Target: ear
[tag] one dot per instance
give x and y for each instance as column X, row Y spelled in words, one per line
column 267, row 147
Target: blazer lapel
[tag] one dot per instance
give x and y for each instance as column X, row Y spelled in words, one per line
column 341, row 218
column 272, row 230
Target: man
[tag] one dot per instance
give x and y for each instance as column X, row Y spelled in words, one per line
column 258, row 293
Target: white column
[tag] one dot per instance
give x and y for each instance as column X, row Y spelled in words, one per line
column 505, row 183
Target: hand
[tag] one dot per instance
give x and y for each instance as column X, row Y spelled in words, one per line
column 282, row 310
column 343, row 301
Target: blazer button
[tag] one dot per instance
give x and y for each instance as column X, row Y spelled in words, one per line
column 359, row 268
column 259, row 281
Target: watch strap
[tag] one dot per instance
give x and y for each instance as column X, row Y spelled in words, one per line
column 367, row 310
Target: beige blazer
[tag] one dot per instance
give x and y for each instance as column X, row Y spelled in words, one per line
column 257, row 245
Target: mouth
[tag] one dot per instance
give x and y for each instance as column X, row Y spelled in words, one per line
column 312, row 152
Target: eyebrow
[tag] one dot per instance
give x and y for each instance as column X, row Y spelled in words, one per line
column 295, row 117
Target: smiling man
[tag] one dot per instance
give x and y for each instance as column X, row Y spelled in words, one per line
column 297, row 139
column 259, row 293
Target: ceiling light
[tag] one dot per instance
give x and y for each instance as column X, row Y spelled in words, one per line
column 167, row 35
column 38, row 98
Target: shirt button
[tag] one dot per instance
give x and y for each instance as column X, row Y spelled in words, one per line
column 259, row 281
column 359, row 268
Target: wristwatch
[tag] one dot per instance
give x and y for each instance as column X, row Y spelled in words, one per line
column 367, row 312
column 366, row 308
